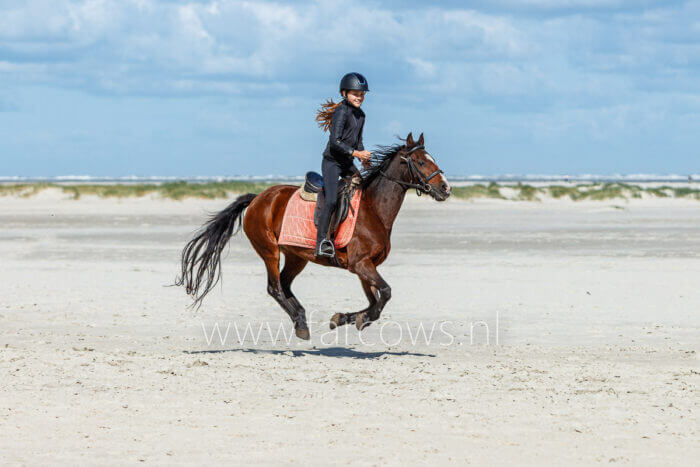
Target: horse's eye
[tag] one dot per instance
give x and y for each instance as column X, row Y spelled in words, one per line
column 421, row 163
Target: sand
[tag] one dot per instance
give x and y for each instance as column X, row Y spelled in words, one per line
column 563, row 332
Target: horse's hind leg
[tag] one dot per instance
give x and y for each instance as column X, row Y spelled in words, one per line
column 293, row 265
column 268, row 250
column 340, row 319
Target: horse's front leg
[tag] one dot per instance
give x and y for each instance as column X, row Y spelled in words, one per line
column 367, row 272
column 340, row 319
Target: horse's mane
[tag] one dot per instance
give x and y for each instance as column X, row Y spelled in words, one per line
column 381, row 158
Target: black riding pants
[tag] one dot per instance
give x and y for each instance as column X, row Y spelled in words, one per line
column 332, row 170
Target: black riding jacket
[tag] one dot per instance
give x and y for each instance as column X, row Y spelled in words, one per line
column 345, row 133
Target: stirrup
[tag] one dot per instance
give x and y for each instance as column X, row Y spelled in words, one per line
column 325, row 248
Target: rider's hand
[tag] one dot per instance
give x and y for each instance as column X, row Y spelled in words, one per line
column 364, row 156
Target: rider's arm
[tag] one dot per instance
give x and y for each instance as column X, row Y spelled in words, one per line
column 360, row 144
column 336, row 132
column 361, row 148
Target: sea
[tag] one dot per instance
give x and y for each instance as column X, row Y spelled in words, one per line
column 505, row 178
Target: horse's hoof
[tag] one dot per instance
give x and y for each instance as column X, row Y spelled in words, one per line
column 303, row 333
column 361, row 321
column 336, row 320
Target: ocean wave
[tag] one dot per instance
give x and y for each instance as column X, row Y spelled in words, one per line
column 639, row 177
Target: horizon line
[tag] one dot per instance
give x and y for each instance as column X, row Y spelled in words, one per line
column 535, row 177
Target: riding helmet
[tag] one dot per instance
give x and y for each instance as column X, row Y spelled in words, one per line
column 354, row 82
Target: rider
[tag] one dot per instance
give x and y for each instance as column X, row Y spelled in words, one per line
column 345, row 121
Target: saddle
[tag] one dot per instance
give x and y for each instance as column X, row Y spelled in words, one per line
column 312, row 191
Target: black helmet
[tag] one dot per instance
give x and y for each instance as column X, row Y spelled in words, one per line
column 354, row 82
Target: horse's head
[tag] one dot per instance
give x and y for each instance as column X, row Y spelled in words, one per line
column 421, row 171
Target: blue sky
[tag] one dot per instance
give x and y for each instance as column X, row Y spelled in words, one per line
column 186, row 88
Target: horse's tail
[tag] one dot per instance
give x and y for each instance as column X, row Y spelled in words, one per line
column 201, row 257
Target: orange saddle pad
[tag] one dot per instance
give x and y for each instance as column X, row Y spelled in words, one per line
column 298, row 227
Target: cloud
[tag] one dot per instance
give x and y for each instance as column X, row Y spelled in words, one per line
column 106, row 42
column 499, row 54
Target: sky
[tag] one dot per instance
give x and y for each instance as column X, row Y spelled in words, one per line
column 229, row 88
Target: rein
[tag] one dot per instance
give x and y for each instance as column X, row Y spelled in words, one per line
column 422, row 187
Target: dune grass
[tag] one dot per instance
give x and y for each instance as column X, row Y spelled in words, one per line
column 492, row 190
column 212, row 190
column 594, row 192
column 527, row 192
column 171, row 190
column 25, row 190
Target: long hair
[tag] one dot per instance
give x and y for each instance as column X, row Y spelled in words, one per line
column 325, row 114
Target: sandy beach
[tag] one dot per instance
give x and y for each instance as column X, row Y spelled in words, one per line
column 553, row 332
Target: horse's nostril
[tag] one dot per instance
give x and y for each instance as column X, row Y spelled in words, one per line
column 446, row 188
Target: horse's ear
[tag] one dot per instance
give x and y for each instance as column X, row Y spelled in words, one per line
column 409, row 139
column 421, row 141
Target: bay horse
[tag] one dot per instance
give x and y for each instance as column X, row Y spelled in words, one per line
column 396, row 169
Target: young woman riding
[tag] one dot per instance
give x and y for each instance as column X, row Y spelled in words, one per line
column 344, row 121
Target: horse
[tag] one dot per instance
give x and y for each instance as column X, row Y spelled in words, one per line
column 396, row 169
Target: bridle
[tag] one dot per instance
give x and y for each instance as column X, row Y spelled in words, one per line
column 422, row 186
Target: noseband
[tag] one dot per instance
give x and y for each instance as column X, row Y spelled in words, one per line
column 423, row 185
